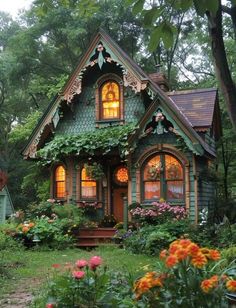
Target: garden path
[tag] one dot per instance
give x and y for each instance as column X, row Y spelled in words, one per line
column 22, row 294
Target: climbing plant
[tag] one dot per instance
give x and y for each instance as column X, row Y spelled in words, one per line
column 100, row 141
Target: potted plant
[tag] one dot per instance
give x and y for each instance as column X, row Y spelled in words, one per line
column 94, row 171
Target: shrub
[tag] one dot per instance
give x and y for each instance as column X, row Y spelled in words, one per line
column 85, row 284
column 147, row 240
column 229, row 254
column 191, row 278
column 38, row 209
column 157, row 213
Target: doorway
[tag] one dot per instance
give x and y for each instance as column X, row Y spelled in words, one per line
column 119, row 191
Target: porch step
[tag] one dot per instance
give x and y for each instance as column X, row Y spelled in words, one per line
column 94, row 237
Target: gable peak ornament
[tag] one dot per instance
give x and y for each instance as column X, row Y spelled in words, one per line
column 100, row 56
column 159, row 124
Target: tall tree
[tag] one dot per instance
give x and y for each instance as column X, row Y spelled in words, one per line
column 213, row 10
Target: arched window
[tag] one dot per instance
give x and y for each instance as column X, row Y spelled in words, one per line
column 163, row 178
column 110, row 100
column 60, row 182
column 88, row 186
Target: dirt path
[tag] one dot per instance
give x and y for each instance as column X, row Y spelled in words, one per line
column 21, row 296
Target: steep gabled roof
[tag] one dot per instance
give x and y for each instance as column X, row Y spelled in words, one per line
column 133, row 76
column 197, row 105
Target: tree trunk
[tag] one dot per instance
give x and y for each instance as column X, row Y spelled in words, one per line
column 223, row 74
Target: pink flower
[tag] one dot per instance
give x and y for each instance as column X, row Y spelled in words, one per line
column 78, row 274
column 81, row 263
column 94, row 262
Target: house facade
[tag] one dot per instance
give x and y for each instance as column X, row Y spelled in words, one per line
column 113, row 132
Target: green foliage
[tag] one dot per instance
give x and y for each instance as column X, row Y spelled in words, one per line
column 94, row 171
column 8, row 246
column 230, row 255
column 149, row 240
column 38, row 209
column 97, row 288
column 103, row 140
column 22, row 131
column 50, row 233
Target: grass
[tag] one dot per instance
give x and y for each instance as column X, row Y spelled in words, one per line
column 36, row 265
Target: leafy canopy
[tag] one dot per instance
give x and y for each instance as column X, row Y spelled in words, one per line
column 103, row 140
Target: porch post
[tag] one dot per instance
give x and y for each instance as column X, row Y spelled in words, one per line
column 125, row 205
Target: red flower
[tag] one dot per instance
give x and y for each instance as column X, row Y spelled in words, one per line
column 50, row 305
column 56, row 265
column 81, row 263
column 171, row 261
column 94, row 262
column 78, row 274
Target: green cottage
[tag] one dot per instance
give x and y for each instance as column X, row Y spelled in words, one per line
column 114, row 131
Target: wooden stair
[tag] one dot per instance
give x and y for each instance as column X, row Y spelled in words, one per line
column 94, row 237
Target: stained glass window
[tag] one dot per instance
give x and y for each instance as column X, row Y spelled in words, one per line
column 121, row 175
column 60, row 182
column 163, row 178
column 110, row 100
column 151, row 178
column 88, row 186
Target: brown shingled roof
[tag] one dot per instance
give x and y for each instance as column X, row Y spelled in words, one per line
column 197, row 105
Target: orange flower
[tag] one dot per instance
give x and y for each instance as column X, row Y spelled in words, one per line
column 214, row 255
column 171, row 261
column 181, row 254
column 199, row 260
column 214, row 279
column 163, row 254
column 185, row 243
column 206, row 285
column 193, row 249
column 231, row 285
column 31, row 224
column 25, row 229
column 173, row 248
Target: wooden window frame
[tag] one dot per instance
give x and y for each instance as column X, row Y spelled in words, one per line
column 163, row 180
column 99, row 105
column 81, row 181
column 55, row 183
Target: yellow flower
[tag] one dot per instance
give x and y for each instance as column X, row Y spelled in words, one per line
column 231, row 285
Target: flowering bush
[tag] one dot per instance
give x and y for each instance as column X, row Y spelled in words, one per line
column 158, row 213
column 190, row 278
column 82, row 284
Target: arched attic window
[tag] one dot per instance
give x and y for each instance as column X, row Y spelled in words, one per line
column 163, row 177
column 60, row 182
column 109, row 98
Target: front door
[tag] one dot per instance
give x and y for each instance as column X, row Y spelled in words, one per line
column 119, row 191
column 118, row 194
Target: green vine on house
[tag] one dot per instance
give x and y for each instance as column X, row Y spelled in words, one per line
column 101, row 140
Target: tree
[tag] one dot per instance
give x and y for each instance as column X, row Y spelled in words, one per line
column 162, row 28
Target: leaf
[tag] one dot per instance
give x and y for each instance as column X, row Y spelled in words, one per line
column 168, row 35
column 129, row 2
column 183, row 5
column 155, row 38
column 137, row 8
column 151, row 15
column 200, row 6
